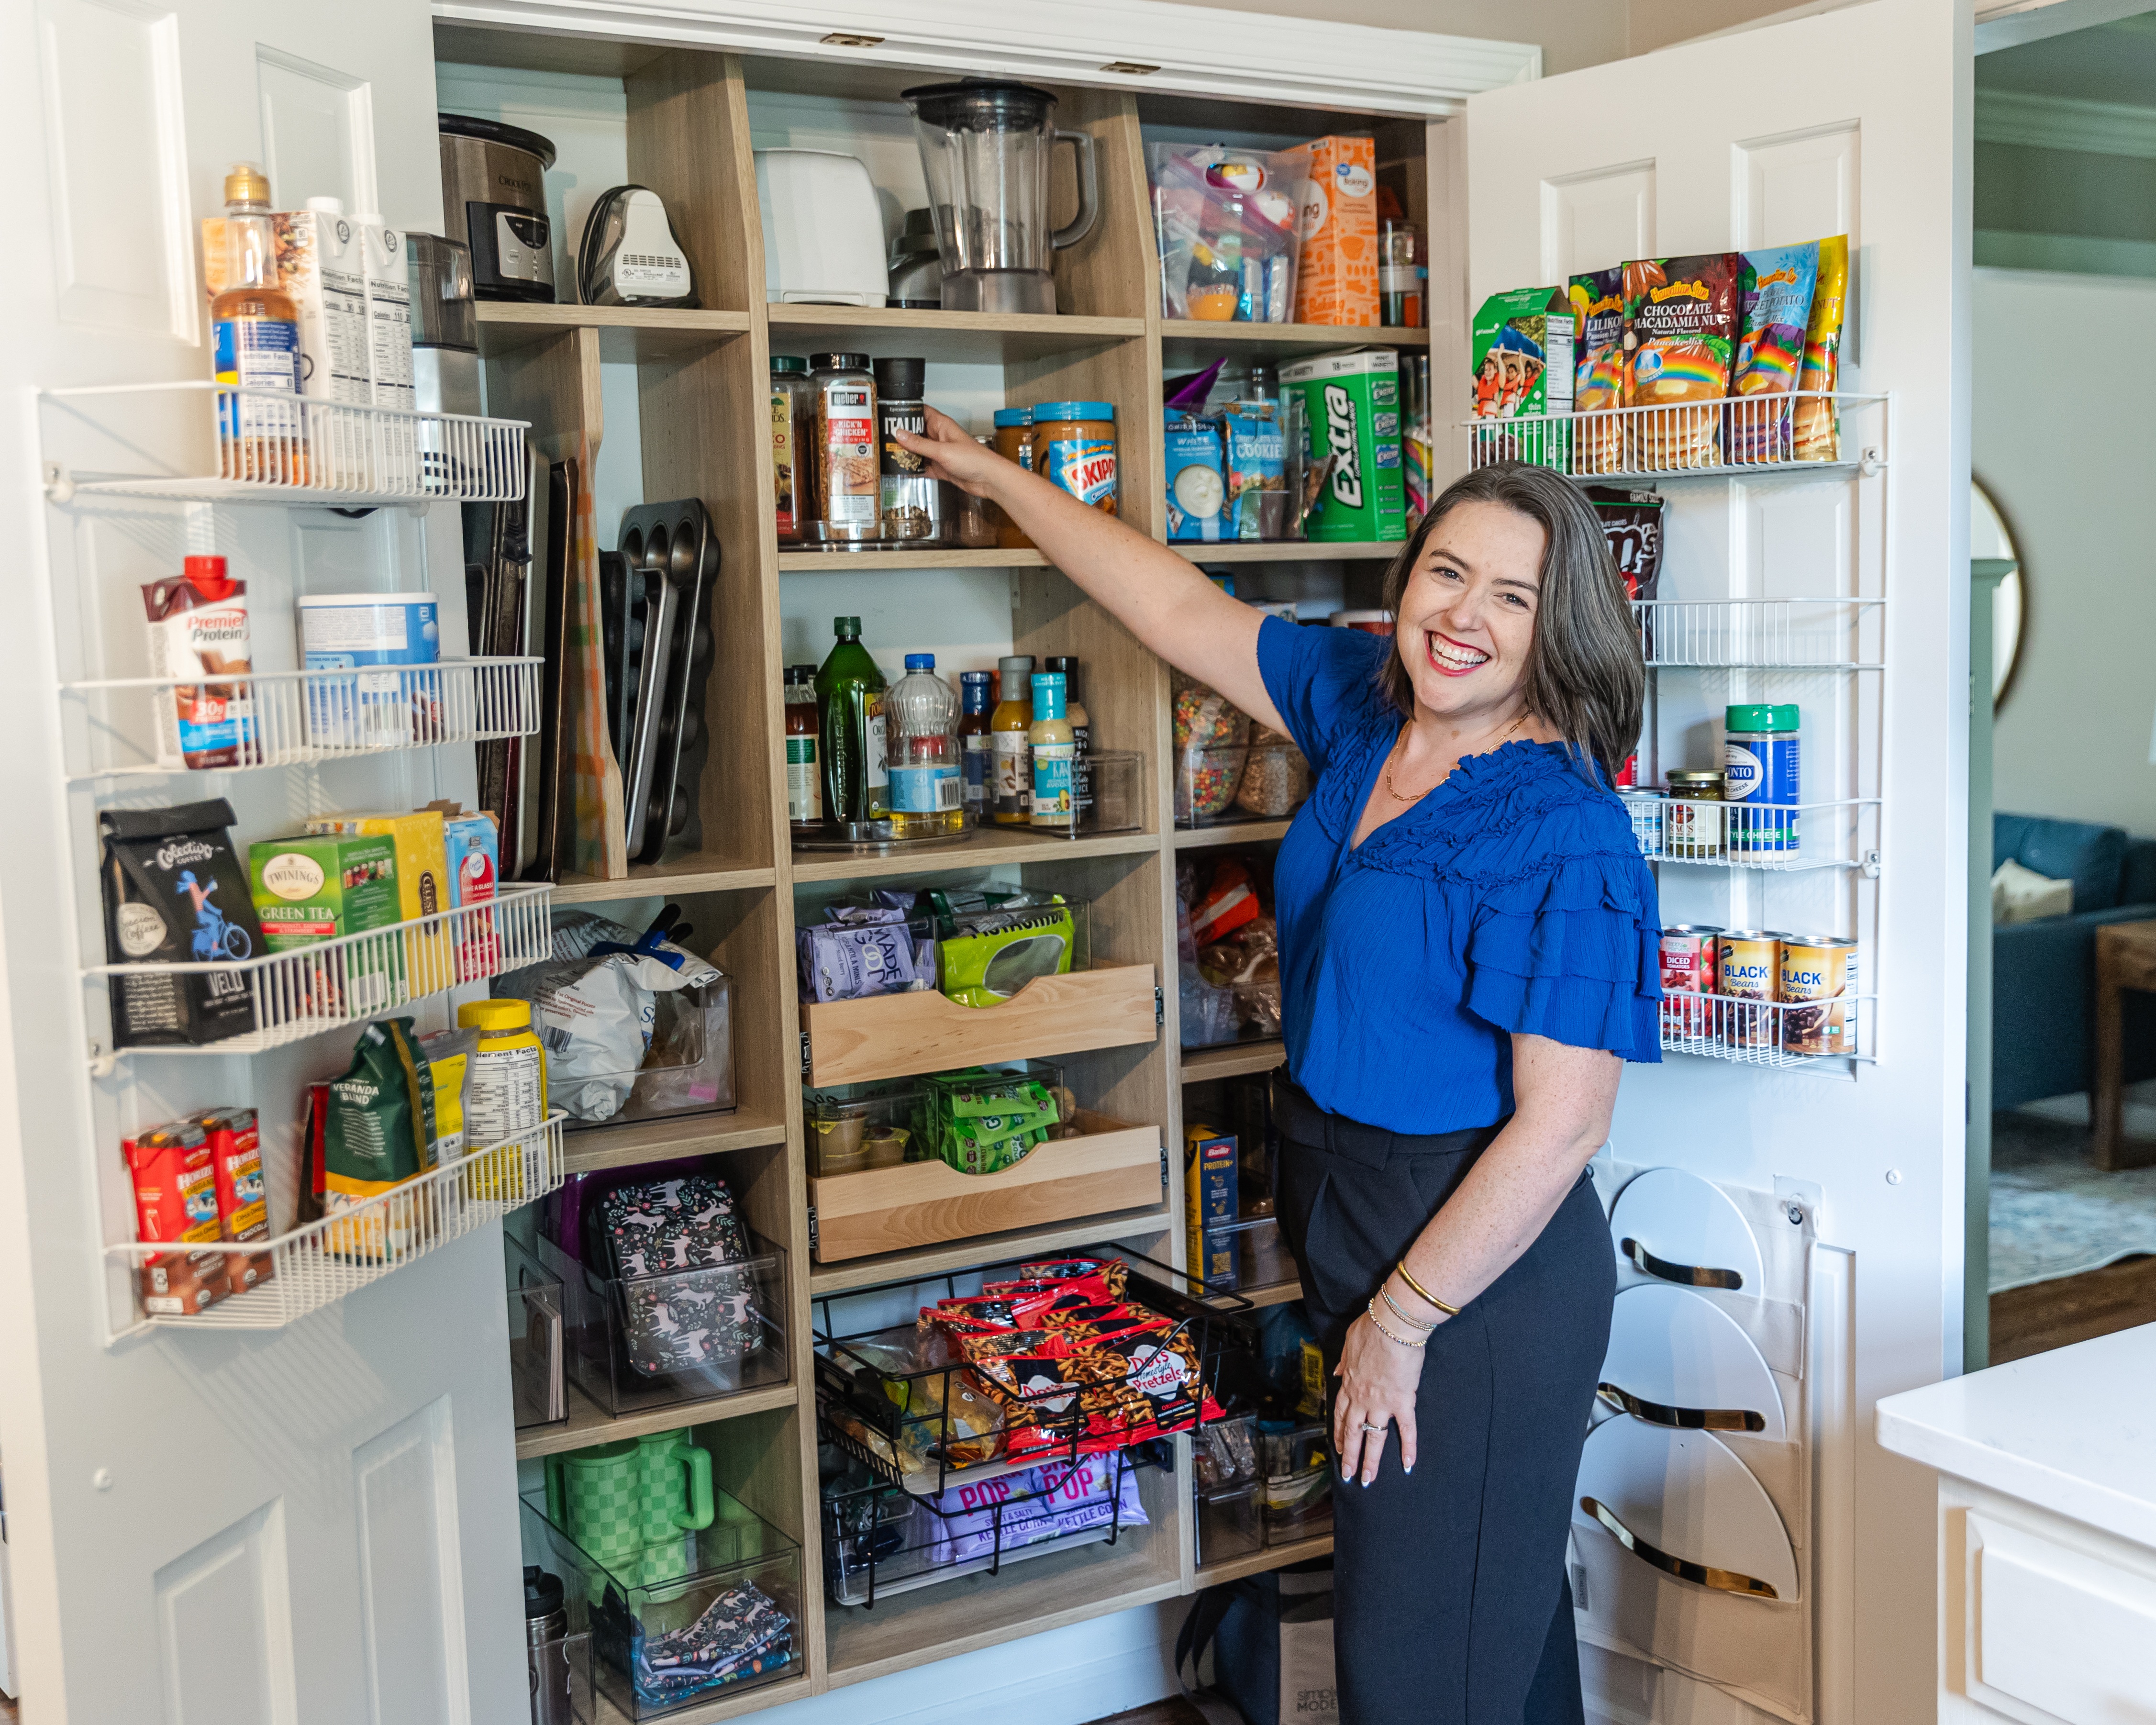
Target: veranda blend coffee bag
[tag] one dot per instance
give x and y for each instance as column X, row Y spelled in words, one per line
column 175, row 894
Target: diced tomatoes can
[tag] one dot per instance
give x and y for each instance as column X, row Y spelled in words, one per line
column 1688, row 974
column 1817, row 982
column 1748, row 965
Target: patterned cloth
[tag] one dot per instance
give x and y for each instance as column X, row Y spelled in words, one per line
column 681, row 1315
column 741, row 1634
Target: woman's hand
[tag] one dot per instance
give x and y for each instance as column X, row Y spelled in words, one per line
column 1377, row 1382
column 952, row 455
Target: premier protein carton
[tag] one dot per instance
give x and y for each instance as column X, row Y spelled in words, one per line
column 1351, row 404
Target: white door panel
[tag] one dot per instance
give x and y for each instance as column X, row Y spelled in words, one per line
column 1590, row 219
column 224, row 1627
column 317, row 131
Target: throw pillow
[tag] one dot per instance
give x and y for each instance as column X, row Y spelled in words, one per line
column 2019, row 895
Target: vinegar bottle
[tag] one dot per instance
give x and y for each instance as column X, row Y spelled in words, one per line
column 255, row 327
column 975, row 748
column 804, row 775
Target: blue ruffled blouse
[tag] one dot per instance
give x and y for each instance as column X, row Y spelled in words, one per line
column 1512, row 898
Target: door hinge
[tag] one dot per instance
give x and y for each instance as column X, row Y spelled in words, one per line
column 807, row 1059
column 1163, row 1170
column 1159, row 1006
column 812, row 1228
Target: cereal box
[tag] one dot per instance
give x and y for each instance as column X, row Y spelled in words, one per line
column 1352, row 405
column 1337, row 276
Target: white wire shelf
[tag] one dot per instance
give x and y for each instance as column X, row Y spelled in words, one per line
column 1783, row 837
column 1768, row 1033
column 293, row 718
column 356, row 977
column 319, row 1263
column 265, row 446
column 1761, row 635
column 1747, row 435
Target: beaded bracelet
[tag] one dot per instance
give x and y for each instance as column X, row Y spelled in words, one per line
column 1378, row 1325
column 1416, row 1288
column 1401, row 1313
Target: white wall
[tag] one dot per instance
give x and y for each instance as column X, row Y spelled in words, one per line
column 2064, row 371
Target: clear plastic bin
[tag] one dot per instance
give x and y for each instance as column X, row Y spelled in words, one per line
column 947, row 1123
column 694, row 1618
column 853, row 1127
column 978, row 947
column 538, row 1373
column 690, row 1335
column 1230, row 1523
column 1297, row 1491
column 1262, row 1259
column 688, row 1066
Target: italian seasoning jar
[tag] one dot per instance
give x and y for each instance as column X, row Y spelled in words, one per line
column 848, row 485
column 793, row 446
column 912, row 503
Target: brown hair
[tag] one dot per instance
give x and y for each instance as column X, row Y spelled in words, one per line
column 1584, row 675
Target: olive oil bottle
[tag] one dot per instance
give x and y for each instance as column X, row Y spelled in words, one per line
column 849, row 693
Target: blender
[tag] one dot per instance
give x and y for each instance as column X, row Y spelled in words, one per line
column 985, row 147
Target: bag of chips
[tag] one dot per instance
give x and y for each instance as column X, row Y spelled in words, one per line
column 1680, row 343
column 994, row 954
column 1598, row 321
column 1776, row 294
column 1817, row 433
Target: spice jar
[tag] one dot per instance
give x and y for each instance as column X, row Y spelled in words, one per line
column 978, row 517
column 793, row 438
column 1692, row 821
column 1074, row 449
column 1014, row 442
column 848, row 487
column 912, row 502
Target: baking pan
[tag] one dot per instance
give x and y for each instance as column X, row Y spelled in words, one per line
column 671, row 566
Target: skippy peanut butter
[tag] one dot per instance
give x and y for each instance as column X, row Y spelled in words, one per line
column 1337, row 278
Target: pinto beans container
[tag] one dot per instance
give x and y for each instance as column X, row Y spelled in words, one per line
column 1760, row 779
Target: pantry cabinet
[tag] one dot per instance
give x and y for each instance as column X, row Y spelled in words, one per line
column 320, row 1521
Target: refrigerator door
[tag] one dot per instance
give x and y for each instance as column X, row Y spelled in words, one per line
column 313, row 1523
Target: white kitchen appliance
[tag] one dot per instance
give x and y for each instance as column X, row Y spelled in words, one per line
column 823, row 230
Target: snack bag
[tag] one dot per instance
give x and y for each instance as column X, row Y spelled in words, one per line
column 1226, row 222
column 1817, row 433
column 1257, row 470
column 1521, row 348
column 1197, row 477
column 1598, row 322
column 1680, row 343
column 995, row 953
column 377, row 1131
column 1777, row 298
column 1337, row 274
column 175, row 894
column 1632, row 527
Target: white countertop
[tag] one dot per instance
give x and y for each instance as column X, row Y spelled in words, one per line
column 2072, row 1431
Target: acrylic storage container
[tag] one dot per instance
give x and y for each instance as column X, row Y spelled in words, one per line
column 851, row 1127
column 1206, row 780
column 1298, row 1484
column 1111, row 790
column 688, row 1066
column 650, row 1341
column 1262, row 1259
column 538, row 1378
column 702, row 1615
column 1230, row 1523
column 983, row 1120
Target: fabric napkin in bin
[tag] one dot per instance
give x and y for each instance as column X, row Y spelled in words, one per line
column 741, row 1634
column 670, row 1244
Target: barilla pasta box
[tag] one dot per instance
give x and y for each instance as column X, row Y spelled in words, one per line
column 176, row 1203
column 1209, row 1202
column 1352, row 406
column 422, row 883
column 1336, row 275
column 242, row 1205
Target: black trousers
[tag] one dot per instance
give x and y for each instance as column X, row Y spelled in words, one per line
column 1450, row 1605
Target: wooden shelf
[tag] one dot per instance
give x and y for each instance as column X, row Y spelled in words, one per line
column 1235, row 1060
column 988, row 1249
column 1233, row 832
column 588, row 1423
column 724, row 1704
column 1110, row 1167
column 849, row 562
column 626, row 332
column 1278, row 1293
column 660, row 1140
column 988, row 846
column 672, row 878
column 963, row 337
column 1289, row 551
column 1273, row 1557
column 1187, row 343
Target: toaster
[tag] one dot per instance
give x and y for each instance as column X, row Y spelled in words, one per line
column 823, row 230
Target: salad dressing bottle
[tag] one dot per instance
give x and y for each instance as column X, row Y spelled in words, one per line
column 1054, row 756
column 1011, row 747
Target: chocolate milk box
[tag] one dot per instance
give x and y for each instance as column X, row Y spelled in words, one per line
column 1351, row 404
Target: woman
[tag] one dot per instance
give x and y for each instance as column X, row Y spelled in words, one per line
column 1468, row 956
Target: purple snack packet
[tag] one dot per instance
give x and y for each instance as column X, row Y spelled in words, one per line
column 841, row 962
column 1046, row 1502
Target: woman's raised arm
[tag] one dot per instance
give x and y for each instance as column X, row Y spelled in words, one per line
column 1155, row 594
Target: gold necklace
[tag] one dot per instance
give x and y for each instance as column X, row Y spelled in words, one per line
column 1399, row 748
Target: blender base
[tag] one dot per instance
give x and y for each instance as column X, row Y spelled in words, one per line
column 1029, row 292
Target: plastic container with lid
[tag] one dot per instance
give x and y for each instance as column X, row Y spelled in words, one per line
column 1074, row 449
column 1762, row 780
column 1014, row 442
column 793, row 446
column 505, row 1078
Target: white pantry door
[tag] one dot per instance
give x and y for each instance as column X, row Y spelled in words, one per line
column 315, row 1524
column 1855, row 121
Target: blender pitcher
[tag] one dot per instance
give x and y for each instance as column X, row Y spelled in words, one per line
column 985, row 147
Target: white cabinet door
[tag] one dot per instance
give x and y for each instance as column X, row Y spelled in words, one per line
column 309, row 1524
column 1854, row 121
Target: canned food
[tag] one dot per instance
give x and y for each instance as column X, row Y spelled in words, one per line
column 1691, row 817
column 1747, row 968
column 1688, row 970
column 1817, row 979
column 1646, row 809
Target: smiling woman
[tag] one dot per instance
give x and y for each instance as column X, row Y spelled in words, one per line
column 1469, row 953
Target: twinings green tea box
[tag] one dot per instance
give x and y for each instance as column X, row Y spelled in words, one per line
column 316, row 887
column 1352, row 406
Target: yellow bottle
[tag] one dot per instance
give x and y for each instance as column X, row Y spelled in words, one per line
column 1012, row 756
column 505, row 1090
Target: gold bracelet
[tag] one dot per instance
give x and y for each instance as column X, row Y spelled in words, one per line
column 1399, row 1340
column 1421, row 1292
column 1403, row 1314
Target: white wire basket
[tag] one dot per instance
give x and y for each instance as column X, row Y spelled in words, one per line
column 1761, row 635
column 266, row 446
column 358, row 977
column 1768, row 1033
column 291, row 718
column 1732, row 434
column 320, row 1262
column 1785, row 838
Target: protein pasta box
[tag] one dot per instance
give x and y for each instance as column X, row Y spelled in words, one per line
column 1352, row 405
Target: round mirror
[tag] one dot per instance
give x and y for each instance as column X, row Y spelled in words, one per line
column 1989, row 536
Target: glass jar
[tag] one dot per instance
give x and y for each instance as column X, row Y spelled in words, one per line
column 1014, row 442
column 848, row 484
column 978, row 519
column 1691, row 820
column 1402, row 271
column 793, row 442
column 911, row 504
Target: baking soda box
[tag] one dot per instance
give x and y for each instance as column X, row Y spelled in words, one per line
column 1351, row 404
column 1336, row 277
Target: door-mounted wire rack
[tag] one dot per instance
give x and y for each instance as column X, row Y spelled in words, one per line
column 1783, row 837
column 1768, row 1033
column 1748, row 435
column 1824, row 634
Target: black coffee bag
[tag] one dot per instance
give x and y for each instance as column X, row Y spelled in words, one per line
column 176, row 893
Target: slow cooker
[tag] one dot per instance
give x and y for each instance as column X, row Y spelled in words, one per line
column 494, row 197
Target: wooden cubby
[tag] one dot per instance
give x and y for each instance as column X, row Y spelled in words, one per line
column 700, row 383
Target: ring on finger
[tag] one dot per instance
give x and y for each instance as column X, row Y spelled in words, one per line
column 1379, row 1430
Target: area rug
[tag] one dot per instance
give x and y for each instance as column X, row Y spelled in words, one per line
column 2053, row 1212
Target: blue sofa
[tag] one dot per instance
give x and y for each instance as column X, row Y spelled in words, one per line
column 2043, row 979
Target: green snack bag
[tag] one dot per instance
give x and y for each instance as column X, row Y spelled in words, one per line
column 377, row 1132
column 1352, row 406
column 982, row 1122
column 993, row 955
column 1521, row 348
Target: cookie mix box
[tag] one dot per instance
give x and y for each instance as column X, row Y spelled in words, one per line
column 1337, row 276
column 1352, row 406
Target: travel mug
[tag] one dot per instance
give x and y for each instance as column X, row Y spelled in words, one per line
column 546, row 1623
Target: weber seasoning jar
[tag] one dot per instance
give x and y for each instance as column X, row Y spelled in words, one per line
column 912, row 504
column 1014, row 442
column 848, row 485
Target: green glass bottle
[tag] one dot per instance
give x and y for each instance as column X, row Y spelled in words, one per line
column 849, row 710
